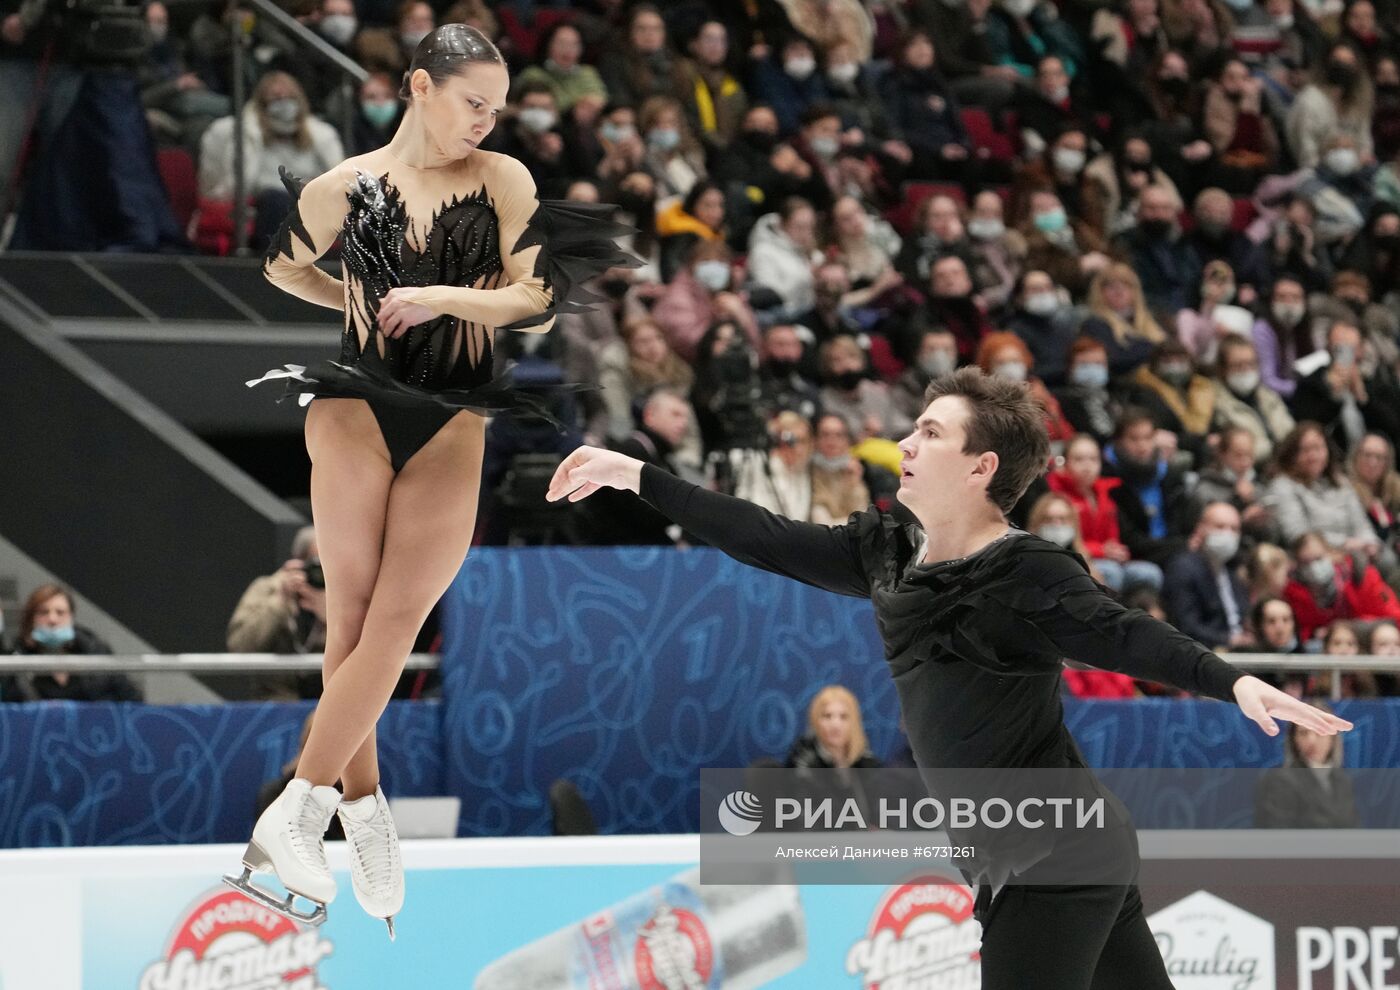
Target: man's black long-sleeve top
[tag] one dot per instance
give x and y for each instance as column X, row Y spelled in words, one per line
column 975, row 645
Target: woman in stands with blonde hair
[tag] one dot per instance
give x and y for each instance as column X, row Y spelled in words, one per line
column 1121, row 320
column 835, row 737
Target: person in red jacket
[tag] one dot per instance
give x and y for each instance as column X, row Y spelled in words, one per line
column 1082, row 482
column 1323, row 590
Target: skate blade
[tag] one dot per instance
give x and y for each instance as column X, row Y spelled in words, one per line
column 283, row 906
column 390, row 922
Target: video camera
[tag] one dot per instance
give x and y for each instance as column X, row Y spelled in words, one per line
column 94, row 32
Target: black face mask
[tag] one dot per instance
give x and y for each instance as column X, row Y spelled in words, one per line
column 1341, row 74
column 781, row 367
column 1156, row 230
column 846, row 380
column 1135, row 471
column 614, row 288
column 1386, row 242
column 1175, row 87
column 763, row 141
column 642, row 208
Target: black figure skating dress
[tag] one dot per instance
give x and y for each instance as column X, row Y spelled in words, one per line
column 487, row 256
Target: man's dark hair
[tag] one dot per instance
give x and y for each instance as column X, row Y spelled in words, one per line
column 1005, row 419
column 1129, row 418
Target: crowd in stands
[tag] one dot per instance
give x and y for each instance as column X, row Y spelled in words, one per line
column 1176, row 221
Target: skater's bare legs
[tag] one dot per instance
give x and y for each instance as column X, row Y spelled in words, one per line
column 428, row 526
column 350, row 481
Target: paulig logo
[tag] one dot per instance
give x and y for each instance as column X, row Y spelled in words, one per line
column 740, row 813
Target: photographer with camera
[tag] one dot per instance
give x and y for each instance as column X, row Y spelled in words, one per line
column 781, row 480
column 72, row 97
column 728, row 400
column 283, row 612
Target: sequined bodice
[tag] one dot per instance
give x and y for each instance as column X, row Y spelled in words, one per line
column 383, row 247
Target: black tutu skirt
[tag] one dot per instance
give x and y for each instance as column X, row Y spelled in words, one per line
column 576, row 243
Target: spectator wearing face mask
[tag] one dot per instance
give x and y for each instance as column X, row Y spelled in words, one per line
column 838, row 477
column 1310, row 789
column 1340, row 189
column 278, row 131
column 1238, row 127
column 829, row 316
column 1068, row 250
column 855, row 96
column 1113, row 182
column 1120, row 319
column 1282, row 335
column 700, row 296
column 1310, row 494
column 1085, row 397
column 562, row 69
column 1214, row 240
column 1350, row 394
column 924, row 111
column 686, row 222
column 1053, row 519
column 1166, row 263
column 390, row 49
column 631, row 367
column 831, row 22
column 47, row 627
column 1059, row 168
column 1293, row 246
column 864, row 404
column 780, row 373
column 1006, row 355
column 1181, row 400
column 1204, row 597
column 532, row 135
column 674, row 158
column 1082, row 483
column 1231, row 477
column 1337, row 102
column 1243, row 402
column 1171, row 123
column 788, row 80
column 1326, row 588
column 377, row 113
column 937, row 355
column 1041, row 318
column 1153, row 506
column 998, row 254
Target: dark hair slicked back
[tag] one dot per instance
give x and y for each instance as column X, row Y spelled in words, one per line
column 448, row 50
column 1002, row 418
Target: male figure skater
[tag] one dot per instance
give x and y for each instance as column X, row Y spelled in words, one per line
column 976, row 617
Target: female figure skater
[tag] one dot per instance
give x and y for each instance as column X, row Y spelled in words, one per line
column 976, row 617
column 441, row 245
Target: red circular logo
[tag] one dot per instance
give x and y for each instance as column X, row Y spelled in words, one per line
column 921, row 934
column 674, row 950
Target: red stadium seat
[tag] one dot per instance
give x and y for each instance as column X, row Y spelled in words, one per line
column 985, row 136
column 1244, row 213
column 177, row 173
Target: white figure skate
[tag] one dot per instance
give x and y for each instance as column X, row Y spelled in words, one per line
column 289, row 841
column 376, row 870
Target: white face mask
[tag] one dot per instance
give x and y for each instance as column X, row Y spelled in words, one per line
column 1221, row 545
column 1012, row 370
column 1288, row 314
column 1319, row 573
column 1060, row 534
column 800, row 68
column 1243, row 382
column 1069, row 159
column 1342, row 161
column 845, row 73
column 936, row 364
column 339, row 28
column 1042, row 303
column 1018, row 8
column 985, row 228
column 537, row 120
column 713, row 275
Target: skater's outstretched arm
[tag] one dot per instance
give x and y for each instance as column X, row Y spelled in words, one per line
column 1091, row 627
column 825, row 557
column 309, row 229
